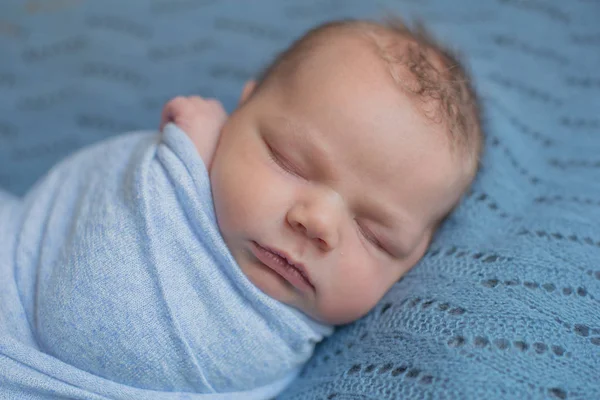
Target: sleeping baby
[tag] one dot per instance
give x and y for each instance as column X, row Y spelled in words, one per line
column 212, row 256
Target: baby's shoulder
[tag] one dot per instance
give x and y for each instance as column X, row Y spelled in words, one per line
column 108, row 157
column 125, row 140
column 115, row 148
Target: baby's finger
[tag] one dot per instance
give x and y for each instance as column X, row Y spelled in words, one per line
column 206, row 103
column 216, row 107
column 170, row 109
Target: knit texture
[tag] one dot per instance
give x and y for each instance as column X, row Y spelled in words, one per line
column 505, row 304
column 116, row 280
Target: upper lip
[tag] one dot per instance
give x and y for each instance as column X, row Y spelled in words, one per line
column 296, row 264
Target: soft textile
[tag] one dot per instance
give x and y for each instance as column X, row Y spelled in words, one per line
column 505, row 306
column 115, row 278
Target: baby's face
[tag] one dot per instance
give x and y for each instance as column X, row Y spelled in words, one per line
column 335, row 170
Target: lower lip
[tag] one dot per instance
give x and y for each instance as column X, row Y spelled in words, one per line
column 281, row 266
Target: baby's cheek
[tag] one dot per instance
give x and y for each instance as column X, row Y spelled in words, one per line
column 226, row 190
column 242, row 193
column 356, row 289
column 232, row 203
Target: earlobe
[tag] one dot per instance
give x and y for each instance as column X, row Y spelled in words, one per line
column 247, row 91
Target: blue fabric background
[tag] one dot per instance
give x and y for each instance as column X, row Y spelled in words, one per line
column 506, row 304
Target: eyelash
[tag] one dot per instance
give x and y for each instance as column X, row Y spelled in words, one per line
column 371, row 238
column 277, row 160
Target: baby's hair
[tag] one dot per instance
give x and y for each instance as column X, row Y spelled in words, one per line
column 436, row 76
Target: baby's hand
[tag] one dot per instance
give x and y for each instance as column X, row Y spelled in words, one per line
column 201, row 119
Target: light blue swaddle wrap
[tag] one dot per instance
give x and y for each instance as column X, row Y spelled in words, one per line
column 116, row 283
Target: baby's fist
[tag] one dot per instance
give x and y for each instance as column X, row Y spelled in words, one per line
column 201, row 119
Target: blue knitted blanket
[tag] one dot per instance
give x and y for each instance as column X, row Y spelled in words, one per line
column 115, row 283
column 505, row 305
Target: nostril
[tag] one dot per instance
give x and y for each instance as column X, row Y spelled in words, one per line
column 300, row 227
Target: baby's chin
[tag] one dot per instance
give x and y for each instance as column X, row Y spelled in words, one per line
column 329, row 315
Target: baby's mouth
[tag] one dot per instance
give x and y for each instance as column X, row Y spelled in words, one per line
column 279, row 262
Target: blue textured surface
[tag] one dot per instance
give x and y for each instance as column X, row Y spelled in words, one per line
column 506, row 302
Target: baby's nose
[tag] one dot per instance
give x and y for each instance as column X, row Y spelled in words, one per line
column 319, row 220
column 318, row 232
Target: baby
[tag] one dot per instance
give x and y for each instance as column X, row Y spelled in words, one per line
column 212, row 257
column 341, row 161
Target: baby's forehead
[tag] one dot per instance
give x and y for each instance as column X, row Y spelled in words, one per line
column 342, row 86
column 380, row 156
column 407, row 66
column 398, row 49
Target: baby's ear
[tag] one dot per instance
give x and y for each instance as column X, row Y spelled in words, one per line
column 247, row 91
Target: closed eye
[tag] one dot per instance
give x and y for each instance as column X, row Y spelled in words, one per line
column 279, row 160
column 371, row 238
